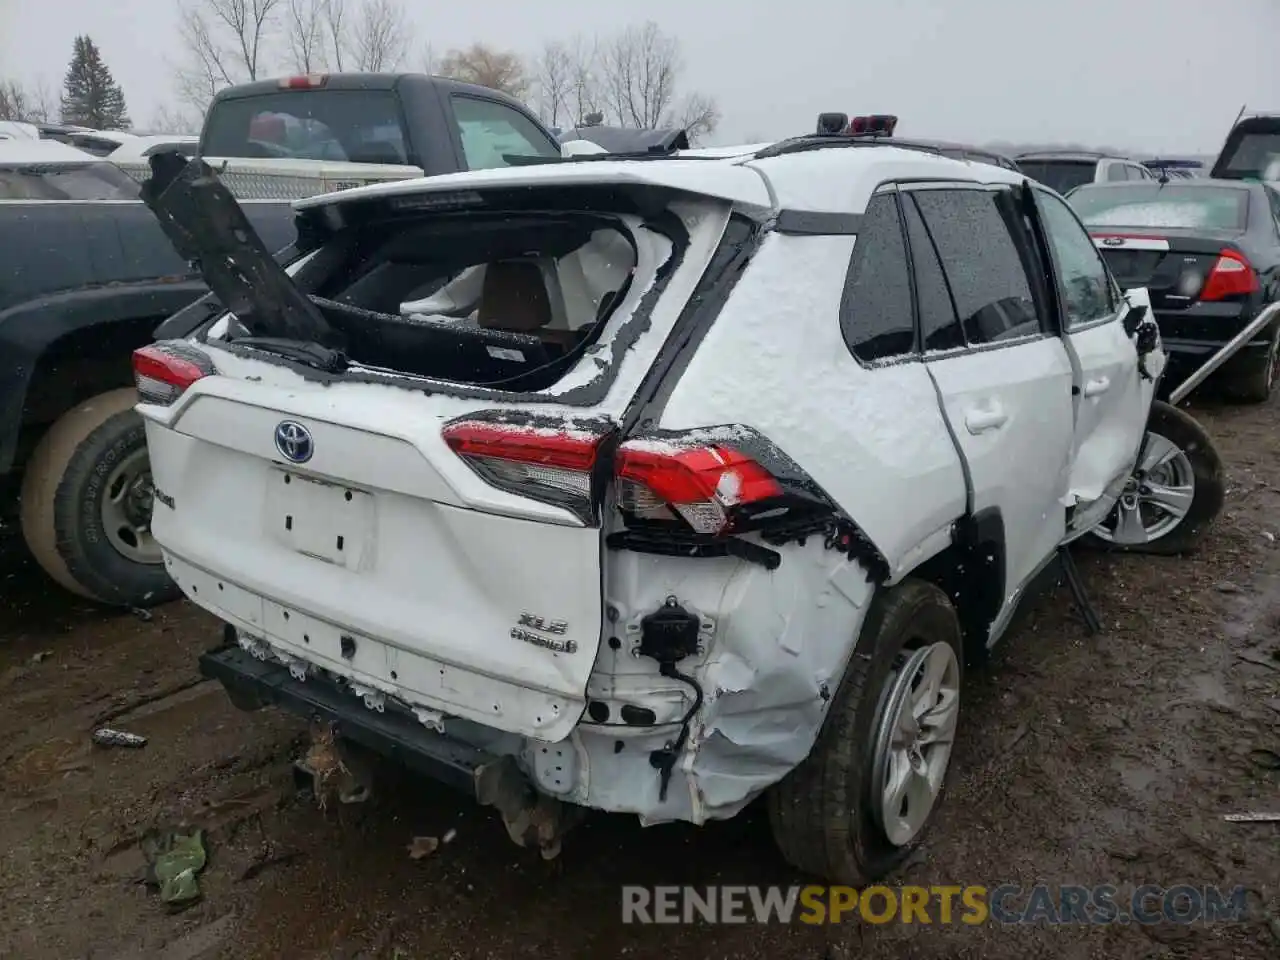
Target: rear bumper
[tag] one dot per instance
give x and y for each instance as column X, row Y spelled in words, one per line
column 252, row 683
column 1200, row 331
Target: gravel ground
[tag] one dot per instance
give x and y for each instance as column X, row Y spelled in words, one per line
column 1082, row 760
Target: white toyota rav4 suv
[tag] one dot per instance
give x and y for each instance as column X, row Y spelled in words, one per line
column 650, row 485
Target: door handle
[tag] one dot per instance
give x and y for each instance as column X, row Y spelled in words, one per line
column 1096, row 386
column 981, row 419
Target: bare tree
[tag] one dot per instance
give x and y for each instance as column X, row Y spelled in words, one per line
column 427, row 59
column 335, row 26
column 698, row 115
column 170, row 119
column 306, row 27
column 26, row 104
column 640, row 67
column 554, row 79
column 584, row 97
column 380, row 35
column 497, row 69
column 225, row 42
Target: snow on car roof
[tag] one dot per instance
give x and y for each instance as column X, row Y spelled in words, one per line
column 40, row 151
column 837, row 179
column 713, row 178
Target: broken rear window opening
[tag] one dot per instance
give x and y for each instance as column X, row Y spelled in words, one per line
column 510, row 301
column 1168, row 205
column 358, row 126
column 60, row 181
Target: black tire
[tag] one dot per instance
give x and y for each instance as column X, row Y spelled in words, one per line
column 820, row 812
column 1252, row 378
column 1190, row 437
column 62, row 489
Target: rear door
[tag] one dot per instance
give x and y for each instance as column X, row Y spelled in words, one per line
column 1111, row 397
column 1003, row 378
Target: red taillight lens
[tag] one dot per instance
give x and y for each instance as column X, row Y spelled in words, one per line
column 1231, row 276
column 553, row 466
column 703, row 484
column 308, row 81
column 163, row 371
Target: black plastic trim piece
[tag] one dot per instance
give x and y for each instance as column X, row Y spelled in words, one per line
column 666, row 544
column 814, row 223
column 395, row 734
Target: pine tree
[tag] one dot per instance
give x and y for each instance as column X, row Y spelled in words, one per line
column 90, row 97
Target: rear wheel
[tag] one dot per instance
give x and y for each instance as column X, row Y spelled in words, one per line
column 1173, row 495
column 1253, row 379
column 86, row 505
column 855, row 807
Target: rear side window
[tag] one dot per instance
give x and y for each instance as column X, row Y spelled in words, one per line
column 88, row 181
column 358, row 126
column 939, row 325
column 876, row 315
column 491, row 132
column 984, row 270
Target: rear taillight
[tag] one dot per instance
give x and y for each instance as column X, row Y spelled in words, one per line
column 552, row 466
column 699, row 488
column 164, row 370
column 705, row 485
column 1231, row 276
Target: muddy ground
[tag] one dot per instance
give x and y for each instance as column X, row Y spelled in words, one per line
column 1088, row 760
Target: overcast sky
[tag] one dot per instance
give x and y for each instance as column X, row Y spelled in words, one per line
column 1149, row 75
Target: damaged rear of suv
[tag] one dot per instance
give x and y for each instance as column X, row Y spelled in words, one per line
column 473, row 480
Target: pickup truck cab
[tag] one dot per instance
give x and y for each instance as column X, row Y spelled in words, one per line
column 295, row 137
column 653, row 485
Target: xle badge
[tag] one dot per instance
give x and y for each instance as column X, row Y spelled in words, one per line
column 532, row 628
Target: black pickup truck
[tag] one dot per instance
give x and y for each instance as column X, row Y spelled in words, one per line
column 86, row 275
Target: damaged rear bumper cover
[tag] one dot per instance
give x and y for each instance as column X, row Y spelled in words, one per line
column 532, row 819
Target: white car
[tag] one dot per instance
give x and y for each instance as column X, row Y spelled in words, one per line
column 1067, row 169
column 708, row 486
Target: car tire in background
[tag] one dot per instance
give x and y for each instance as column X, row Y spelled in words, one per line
column 828, row 815
column 1251, row 378
column 86, row 505
column 1180, row 459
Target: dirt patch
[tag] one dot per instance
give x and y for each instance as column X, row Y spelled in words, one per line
column 1082, row 760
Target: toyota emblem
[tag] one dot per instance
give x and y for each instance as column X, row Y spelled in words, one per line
column 294, row 442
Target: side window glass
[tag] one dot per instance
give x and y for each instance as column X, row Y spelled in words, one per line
column 492, row 131
column 1087, row 291
column 1116, row 171
column 876, row 315
column 939, row 326
column 988, row 282
column 1273, row 197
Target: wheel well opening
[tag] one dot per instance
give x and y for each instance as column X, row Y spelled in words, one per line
column 971, row 574
column 77, row 366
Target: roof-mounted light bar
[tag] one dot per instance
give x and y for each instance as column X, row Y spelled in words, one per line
column 871, row 125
